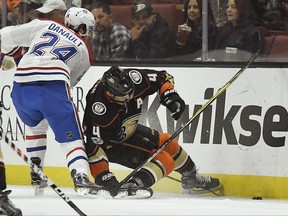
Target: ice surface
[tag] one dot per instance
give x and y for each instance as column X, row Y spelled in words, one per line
column 160, row 204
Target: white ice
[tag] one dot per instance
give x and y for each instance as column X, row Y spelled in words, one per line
column 159, row 204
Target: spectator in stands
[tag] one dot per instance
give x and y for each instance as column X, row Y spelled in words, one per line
column 111, row 39
column 1, row 14
column 219, row 11
column 271, row 14
column 285, row 3
column 24, row 12
column 151, row 36
column 74, row 3
column 193, row 18
column 90, row 4
column 53, row 10
column 11, row 4
column 239, row 32
column 275, row 15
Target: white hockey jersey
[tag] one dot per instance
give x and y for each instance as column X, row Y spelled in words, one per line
column 55, row 52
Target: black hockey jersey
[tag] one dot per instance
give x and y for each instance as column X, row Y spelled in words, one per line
column 106, row 121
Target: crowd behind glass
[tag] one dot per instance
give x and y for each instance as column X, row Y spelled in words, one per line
column 207, row 30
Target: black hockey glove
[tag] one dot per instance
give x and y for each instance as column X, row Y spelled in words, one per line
column 109, row 181
column 173, row 102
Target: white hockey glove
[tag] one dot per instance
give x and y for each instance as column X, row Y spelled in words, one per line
column 8, row 63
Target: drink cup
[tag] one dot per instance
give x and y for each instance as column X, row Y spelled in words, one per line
column 183, row 33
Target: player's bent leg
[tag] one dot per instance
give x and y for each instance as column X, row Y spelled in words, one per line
column 77, row 162
column 99, row 168
column 139, row 186
column 192, row 181
column 84, row 187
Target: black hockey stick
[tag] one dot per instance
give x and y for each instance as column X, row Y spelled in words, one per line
column 197, row 113
column 41, row 174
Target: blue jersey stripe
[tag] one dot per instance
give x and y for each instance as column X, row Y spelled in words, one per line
column 33, row 149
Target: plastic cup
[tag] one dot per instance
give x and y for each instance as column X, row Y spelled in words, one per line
column 183, row 33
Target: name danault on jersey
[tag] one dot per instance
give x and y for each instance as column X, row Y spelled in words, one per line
column 65, row 33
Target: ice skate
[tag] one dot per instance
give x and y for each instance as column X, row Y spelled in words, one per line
column 84, row 187
column 7, row 207
column 38, row 184
column 194, row 183
column 134, row 189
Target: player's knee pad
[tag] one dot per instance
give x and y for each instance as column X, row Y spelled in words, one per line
column 172, row 148
column 165, row 163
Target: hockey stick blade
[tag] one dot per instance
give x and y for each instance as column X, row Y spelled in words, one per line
column 41, row 174
column 197, row 113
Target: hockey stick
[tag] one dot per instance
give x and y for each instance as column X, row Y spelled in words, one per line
column 41, row 174
column 35, row 168
column 197, row 113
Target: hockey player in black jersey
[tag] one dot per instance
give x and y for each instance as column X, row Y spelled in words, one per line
column 113, row 134
column 6, row 205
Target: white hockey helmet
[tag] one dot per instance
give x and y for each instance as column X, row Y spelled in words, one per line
column 75, row 17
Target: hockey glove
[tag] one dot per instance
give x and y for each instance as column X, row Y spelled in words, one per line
column 109, row 181
column 173, row 102
column 7, row 63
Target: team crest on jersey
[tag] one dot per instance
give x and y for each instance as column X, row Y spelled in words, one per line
column 135, row 76
column 99, row 108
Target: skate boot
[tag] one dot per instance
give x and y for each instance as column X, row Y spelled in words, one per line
column 37, row 183
column 194, row 183
column 7, row 207
column 134, row 189
column 84, row 187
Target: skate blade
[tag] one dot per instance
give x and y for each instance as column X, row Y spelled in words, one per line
column 139, row 194
column 86, row 192
column 196, row 191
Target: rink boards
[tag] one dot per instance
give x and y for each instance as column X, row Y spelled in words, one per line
column 240, row 138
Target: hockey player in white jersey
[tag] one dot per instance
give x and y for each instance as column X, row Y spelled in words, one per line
column 56, row 60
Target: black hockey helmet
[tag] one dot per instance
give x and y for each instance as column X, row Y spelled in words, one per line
column 117, row 82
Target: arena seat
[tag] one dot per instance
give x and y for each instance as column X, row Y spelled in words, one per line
column 279, row 48
column 122, row 14
column 263, row 31
column 167, row 12
column 280, row 44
